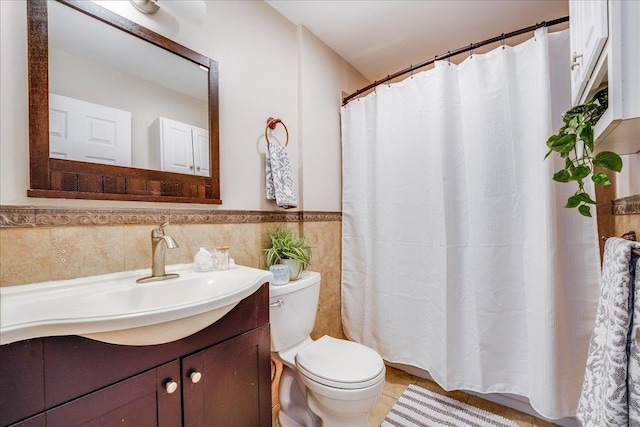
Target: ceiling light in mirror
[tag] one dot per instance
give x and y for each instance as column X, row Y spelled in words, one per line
column 193, row 10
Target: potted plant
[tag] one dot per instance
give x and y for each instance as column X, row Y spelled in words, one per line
column 288, row 249
column 575, row 143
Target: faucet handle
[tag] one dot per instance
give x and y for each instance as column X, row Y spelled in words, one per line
column 159, row 230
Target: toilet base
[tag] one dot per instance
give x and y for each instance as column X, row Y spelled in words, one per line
column 344, row 412
column 300, row 407
column 294, row 411
column 329, row 420
column 285, row 421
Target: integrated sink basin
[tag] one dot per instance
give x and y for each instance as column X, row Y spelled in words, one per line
column 114, row 308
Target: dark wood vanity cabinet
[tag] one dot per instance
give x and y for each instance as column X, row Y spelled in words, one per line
column 219, row 376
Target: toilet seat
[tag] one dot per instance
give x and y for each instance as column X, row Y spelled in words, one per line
column 340, row 363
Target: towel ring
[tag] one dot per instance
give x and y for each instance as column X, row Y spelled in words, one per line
column 271, row 124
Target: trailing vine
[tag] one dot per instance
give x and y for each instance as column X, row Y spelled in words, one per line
column 575, row 144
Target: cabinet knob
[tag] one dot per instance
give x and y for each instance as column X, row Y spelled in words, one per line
column 195, row 376
column 191, row 167
column 171, row 386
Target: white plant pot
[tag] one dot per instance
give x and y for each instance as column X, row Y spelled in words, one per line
column 295, row 268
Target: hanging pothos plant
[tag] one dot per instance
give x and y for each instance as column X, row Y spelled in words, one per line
column 575, row 143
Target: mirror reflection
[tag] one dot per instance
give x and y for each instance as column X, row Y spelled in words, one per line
column 119, row 100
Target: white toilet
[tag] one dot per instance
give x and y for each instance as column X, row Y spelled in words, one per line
column 328, row 382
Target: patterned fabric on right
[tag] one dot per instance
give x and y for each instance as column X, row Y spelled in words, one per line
column 611, row 389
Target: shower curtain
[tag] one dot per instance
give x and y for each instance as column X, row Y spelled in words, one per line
column 458, row 256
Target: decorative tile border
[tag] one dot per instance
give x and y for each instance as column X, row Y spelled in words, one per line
column 32, row 216
column 626, row 205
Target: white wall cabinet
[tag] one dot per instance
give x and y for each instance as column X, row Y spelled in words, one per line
column 605, row 52
column 182, row 148
column 589, row 31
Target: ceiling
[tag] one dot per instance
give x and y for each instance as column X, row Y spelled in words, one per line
column 381, row 37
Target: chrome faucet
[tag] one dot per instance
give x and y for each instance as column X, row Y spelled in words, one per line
column 159, row 244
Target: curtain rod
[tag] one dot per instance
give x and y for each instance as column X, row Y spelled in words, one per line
column 451, row 53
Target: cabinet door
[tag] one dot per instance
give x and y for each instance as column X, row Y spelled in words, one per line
column 177, row 147
column 201, row 155
column 234, row 383
column 589, row 31
column 21, row 380
column 140, row 401
column 37, row 421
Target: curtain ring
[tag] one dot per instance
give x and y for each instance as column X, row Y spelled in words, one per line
column 388, row 84
column 411, row 67
column 271, row 124
column 471, row 50
column 449, row 57
column 502, row 41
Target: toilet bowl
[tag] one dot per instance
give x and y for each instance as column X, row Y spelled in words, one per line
column 329, row 382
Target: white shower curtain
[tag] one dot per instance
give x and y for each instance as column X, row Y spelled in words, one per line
column 458, row 256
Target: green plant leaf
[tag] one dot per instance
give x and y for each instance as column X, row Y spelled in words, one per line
column 586, row 135
column 584, row 197
column 608, row 160
column 562, row 176
column 547, row 155
column 568, row 163
column 580, row 173
column 584, row 210
column 573, row 123
column 562, row 144
column 600, row 178
column 572, row 202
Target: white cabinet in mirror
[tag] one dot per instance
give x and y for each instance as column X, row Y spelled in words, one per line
column 95, row 63
column 180, row 147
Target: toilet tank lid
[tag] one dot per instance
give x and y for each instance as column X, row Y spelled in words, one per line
column 340, row 361
column 308, row 278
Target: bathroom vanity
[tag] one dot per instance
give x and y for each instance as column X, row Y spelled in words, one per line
column 219, row 376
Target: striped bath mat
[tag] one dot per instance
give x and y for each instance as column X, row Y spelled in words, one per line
column 418, row 407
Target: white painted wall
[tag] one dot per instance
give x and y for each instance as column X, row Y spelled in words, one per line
column 628, row 180
column 324, row 77
column 267, row 67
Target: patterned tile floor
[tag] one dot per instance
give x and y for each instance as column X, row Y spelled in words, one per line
column 397, row 381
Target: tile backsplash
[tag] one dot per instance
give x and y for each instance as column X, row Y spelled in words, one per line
column 39, row 245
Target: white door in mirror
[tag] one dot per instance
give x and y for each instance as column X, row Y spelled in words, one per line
column 88, row 132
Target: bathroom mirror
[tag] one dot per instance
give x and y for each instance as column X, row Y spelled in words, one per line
column 117, row 111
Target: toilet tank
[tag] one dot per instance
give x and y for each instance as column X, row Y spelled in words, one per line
column 292, row 310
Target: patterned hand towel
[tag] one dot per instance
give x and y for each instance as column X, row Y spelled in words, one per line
column 611, row 385
column 280, row 185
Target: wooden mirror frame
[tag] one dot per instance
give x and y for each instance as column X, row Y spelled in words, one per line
column 69, row 179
